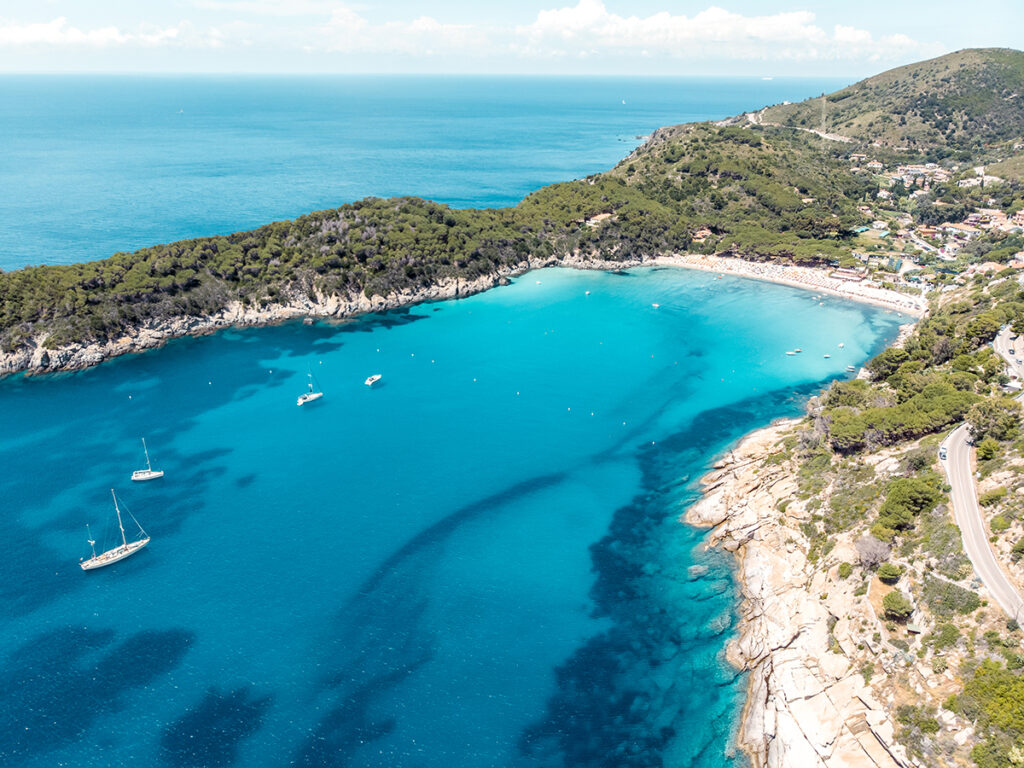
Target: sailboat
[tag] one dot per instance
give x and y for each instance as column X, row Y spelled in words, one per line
column 119, row 552
column 139, row 475
column 311, row 395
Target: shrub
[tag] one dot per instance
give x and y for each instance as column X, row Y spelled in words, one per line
column 989, row 498
column 945, row 635
column 887, row 363
column 999, row 523
column 945, row 598
column 988, row 449
column 889, row 573
column 907, row 498
column 1018, row 550
column 845, row 569
column 897, row 606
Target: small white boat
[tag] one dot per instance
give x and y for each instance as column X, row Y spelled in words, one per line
column 141, row 475
column 828, row 355
column 120, row 552
column 371, row 380
column 797, row 349
column 311, row 395
column 655, row 305
column 851, row 369
column 791, row 353
column 841, row 345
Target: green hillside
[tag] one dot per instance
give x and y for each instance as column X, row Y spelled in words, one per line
column 750, row 186
column 962, row 101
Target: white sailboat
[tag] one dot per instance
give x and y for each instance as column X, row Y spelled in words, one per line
column 311, row 395
column 140, row 475
column 120, row 552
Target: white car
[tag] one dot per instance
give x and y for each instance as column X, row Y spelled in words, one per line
column 942, row 454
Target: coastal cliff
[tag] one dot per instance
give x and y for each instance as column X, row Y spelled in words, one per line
column 808, row 705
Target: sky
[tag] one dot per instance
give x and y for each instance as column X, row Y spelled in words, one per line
column 554, row 37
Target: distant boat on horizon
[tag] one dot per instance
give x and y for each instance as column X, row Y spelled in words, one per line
column 311, row 395
column 141, row 475
column 125, row 549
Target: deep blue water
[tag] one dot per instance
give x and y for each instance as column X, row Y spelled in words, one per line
column 477, row 563
column 95, row 165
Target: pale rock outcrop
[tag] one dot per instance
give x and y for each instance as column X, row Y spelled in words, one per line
column 807, row 706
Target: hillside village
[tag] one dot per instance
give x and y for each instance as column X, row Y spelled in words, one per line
column 935, row 226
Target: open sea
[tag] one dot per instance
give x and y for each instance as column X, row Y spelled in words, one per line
column 477, row 562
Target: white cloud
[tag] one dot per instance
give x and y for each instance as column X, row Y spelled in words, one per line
column 349, row 32
column 269, row 7
column 791, row 35
column 58, row 32
column 851, row 35
column 329, row 30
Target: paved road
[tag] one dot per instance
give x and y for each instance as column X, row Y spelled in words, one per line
column 966, row 511
column 1003, row 343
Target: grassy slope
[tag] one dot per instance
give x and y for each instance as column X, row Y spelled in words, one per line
column 964, row 101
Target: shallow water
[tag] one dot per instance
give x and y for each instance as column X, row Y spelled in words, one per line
column 475, row 563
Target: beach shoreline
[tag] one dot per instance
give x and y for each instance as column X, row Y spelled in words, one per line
column 807, row 278
column 35, row 358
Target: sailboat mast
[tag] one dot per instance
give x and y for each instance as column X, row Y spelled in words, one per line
column 117, row 509
column 92, row 541
column 146, row 450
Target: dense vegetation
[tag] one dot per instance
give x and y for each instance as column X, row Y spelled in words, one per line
column 936, row 379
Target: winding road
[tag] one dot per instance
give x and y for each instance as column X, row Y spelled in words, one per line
column 966, row 511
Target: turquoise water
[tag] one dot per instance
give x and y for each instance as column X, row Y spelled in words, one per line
column 95, row 165
column 476, row 563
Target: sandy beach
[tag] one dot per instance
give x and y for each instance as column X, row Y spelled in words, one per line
column 811, row 278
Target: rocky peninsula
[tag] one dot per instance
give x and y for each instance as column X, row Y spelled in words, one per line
column 807, row 704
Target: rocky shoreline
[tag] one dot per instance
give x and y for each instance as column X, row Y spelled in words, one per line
column 807, row 706
column 36, row 358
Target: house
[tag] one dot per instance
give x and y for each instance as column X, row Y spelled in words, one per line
column 856, row 157
column 701, row 235
column 874, row 165
column 964, row 231
column 929, row 232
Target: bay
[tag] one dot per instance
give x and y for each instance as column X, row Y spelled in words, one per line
column 477, row 562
